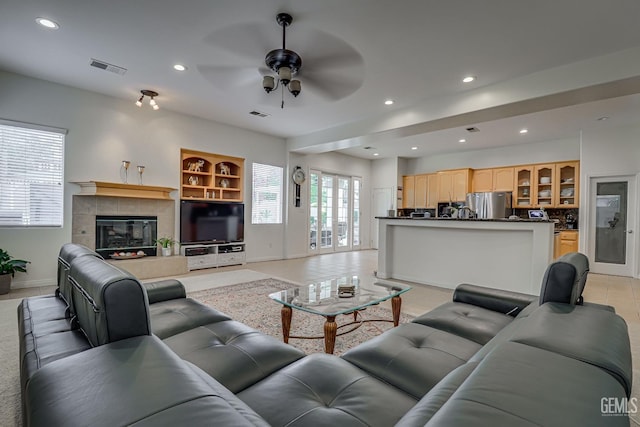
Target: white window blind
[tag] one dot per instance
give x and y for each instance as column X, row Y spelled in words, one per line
column 31, row 176
column 266, row 207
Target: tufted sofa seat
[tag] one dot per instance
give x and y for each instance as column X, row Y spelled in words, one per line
column 152, row 356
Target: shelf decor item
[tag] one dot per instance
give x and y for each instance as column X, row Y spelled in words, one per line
column 124, row 170
column 8, row 268
column 140, row 172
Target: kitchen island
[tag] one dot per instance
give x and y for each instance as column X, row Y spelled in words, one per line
column 497, row 253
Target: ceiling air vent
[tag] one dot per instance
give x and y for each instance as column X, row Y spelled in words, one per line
column 473, row 129
column 258, row 113
column 107, row 67
column 367, row 148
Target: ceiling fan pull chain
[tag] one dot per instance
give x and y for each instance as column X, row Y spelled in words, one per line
column 282, row 94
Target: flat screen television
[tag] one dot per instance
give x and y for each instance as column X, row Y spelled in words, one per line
column 211, row 222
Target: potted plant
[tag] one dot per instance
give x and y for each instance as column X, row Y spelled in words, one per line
column 8, row 268
column 166, row 243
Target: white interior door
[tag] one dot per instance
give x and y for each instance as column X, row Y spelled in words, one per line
column 612, row 217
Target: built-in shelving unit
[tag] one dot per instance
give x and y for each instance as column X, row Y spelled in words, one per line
column 208, row 176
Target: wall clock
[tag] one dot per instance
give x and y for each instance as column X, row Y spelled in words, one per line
column 298, row 176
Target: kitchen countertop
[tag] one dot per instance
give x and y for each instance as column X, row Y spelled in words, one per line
column 463, row 219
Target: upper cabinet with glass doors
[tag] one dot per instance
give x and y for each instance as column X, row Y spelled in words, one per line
column 568, row 177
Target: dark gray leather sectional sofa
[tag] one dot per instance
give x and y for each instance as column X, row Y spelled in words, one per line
column 109, row 351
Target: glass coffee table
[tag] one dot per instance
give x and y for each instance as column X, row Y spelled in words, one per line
column 333, row 297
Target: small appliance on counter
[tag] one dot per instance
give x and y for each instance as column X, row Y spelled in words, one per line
column 420, row 215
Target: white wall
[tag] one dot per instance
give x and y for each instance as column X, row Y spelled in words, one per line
column 296, row 234
column 548, row 151
column 610, row 152
column 103, row 131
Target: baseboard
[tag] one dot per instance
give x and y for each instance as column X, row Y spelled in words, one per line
column 33, row 283
column 262, row 259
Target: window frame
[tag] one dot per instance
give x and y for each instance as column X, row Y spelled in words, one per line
column 255, row 216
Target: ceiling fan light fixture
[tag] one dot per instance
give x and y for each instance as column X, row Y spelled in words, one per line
column 268, row 83
column 295, row 87
column 284, row 73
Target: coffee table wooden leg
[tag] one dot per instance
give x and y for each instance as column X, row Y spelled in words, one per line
column 330, row 328
column 396, row 303
column 286, row 322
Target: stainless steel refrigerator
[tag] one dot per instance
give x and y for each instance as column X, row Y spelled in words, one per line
column 490, row 205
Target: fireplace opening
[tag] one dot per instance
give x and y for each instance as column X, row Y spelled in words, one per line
column 115, row 234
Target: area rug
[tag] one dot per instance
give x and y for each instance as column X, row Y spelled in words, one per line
column 250, row 304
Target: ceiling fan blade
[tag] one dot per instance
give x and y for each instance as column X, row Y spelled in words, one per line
column 331, row 86
column 319, row 48
column 224, row 77
column 250, row 39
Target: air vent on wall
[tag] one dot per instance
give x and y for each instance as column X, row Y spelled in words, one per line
column 473, row 129
column 258, row 113
column 107, row 67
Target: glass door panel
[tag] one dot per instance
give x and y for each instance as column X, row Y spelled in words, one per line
column 326, row 212
column 313, row 211
column 611, row 222
column 356, row 213
column 343, row 212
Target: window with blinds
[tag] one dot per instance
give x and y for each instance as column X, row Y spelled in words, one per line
column 267, row 188
column 31, row 176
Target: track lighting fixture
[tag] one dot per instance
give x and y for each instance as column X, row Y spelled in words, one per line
column 284, row 62
column 151, row 94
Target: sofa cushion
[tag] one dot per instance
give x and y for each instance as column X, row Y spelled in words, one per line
column 436, row 397
column 520, row 385
column 234, row 354
column 110, row 303
column 175, row 316
column 465, row 320
column 133, row 381
column 325, row 390
column 593, row 335
column 412, row 357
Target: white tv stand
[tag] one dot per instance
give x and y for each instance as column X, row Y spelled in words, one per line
column 213, row 255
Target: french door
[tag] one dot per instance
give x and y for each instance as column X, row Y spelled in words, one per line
column 611, row 220
column 334, row 212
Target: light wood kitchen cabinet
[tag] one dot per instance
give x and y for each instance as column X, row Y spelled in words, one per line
column 420, row 191
column 482, row 180
column 453, row 185
column 523, row 188
column 567, row 188
column 503, row 179
column 544, row 185
column 495, row 179
column 432, row 191
column 568, row 243
column 408, row 191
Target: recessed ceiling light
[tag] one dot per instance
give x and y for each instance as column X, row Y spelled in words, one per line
column 376, row 154
column 462, row 141
column 48, row 23
column 603, row 118
column 468, row 79
column 414, row 148
column 524, row 131
column 388, row 102
column 179, row 67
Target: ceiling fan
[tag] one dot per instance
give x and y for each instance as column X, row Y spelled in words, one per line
column 284, row 62
column 333, row 69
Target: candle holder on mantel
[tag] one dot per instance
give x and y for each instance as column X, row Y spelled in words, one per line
column 124, row 170
column 140, row 172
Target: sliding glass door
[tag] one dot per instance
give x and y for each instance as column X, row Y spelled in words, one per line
column 334, row 212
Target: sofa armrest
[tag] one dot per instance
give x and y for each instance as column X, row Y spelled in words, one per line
column 164, row 290
column 499, row 300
